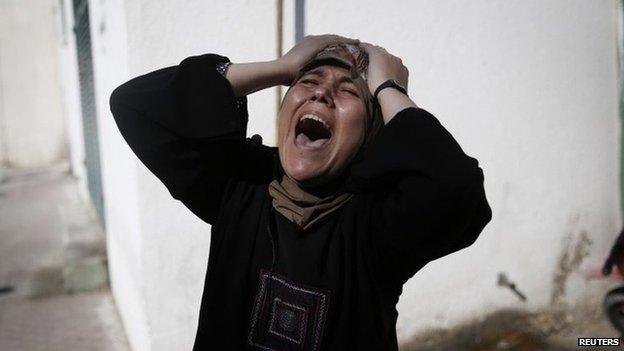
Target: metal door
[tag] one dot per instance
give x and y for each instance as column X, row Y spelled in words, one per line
column 87, row 102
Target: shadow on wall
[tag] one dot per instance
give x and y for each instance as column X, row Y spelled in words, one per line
column 555, row 328
column 515, row 330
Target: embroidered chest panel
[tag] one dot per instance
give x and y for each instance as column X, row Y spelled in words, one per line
column 287, row 315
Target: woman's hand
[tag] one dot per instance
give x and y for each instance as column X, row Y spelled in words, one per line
column 246, row 78
column 305, row 50
column 383, row 66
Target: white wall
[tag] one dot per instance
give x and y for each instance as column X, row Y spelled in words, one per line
column 70, row 93
column 529, row 88
column 118, row 164
column 31, row 115
column 120, row 178
column 158, row 250
column 162, row 33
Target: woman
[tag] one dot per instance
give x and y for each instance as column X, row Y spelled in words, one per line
column 312, row 240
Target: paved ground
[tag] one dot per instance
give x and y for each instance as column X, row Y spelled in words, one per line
column 39, row 314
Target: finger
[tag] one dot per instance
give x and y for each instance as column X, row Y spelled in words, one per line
column 367, row 47
column 346, row 41
column 322, row 45
column 382, row 49
column 333, row 38
column 340, row 37
column 608, row 267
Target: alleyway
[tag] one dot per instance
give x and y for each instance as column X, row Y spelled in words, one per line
column 39, row 211
column 47, row 296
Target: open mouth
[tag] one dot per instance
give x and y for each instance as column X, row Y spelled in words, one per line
column 312, row 132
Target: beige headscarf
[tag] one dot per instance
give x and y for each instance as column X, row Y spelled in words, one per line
column 299, row 206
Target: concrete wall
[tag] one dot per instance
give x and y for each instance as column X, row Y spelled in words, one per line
column 31, row 115
column 528, row 88
column 156, row 39
column 120, row 175
column 157, row 249
column 70, row 93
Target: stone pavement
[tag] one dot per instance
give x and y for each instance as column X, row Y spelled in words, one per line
column 55, row 301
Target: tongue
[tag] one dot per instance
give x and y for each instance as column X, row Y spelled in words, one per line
column 303, row 140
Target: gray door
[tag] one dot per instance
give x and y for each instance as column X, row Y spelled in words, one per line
column 87, row 102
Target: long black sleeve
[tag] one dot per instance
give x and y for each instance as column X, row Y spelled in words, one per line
column 184, row 125
column 429, row 197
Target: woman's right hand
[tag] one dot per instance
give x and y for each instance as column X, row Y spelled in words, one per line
column 246, row 78
column 305, row 50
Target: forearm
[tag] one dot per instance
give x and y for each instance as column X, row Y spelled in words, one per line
column 182, row 120
column 246, row 78
column 392, row 102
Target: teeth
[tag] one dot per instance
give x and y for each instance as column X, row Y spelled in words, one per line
column 316, row 118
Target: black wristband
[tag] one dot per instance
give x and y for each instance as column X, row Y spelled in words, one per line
column 390, row 83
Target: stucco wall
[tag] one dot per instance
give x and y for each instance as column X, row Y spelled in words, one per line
column 158, row 250
column 31, row 115
column 120, row 178
column 528, row 88
column 70, row 93
column 176, row 242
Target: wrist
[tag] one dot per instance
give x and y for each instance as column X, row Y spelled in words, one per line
column 247, row 78
column 389, row 84
column 391, row 102
column 283, row 70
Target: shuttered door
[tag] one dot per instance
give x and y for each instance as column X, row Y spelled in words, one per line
column 87, row 101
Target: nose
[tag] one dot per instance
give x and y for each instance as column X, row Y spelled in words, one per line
column 322, row 94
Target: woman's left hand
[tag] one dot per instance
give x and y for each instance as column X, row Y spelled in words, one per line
column 383, row 66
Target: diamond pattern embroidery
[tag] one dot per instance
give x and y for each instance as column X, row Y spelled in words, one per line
column 287, row 315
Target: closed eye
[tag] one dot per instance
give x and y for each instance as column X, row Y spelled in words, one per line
column 308, row 81
column 348, row 88
column 351, row 91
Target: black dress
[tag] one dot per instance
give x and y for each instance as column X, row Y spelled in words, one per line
column 270, row 286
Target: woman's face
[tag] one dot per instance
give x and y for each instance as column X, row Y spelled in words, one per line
column 321, row 125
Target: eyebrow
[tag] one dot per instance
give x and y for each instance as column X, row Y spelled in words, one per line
column 319, row 72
